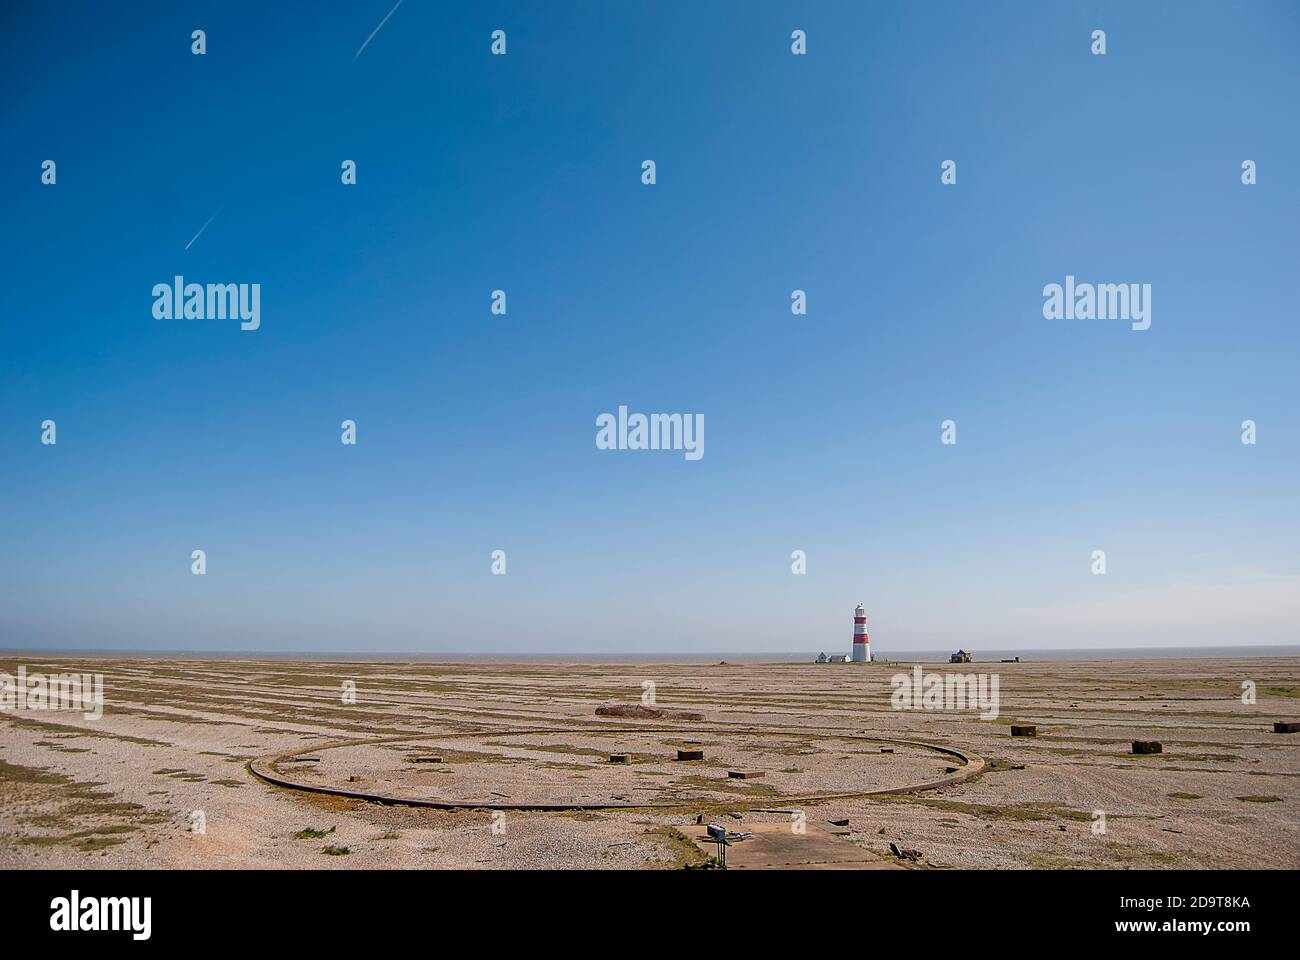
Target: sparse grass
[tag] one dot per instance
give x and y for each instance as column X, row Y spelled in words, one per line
column 560, row 748
column 682, row 852
column 1261, row 799
column 1185, row 796
column 82, row 815
column 333, row 851
column 997, row 765
column 1281, row 691
column 307, row 833
column 1038, row 810
column 744, row 788
column 1187, row 757
column 24, row 723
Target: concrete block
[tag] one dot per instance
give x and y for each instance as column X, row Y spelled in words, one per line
column 1147, row 746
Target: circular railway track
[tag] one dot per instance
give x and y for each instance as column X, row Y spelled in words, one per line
column 267, row 769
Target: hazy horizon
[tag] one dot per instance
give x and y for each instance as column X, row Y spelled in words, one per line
column 776, row 656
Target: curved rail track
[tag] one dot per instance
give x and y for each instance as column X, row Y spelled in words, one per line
column 972, row 765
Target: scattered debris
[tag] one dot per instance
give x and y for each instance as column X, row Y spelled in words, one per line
column 618, row 758
column 886, row 749
column 744, row 774
column 1286, row 726
column 1147, row 746
column 690, row 754
column 1024, row 729
column 904, row 854
column 426, row 759
column 839, row 823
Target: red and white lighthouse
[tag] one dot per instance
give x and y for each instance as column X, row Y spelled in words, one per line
column 861, row 645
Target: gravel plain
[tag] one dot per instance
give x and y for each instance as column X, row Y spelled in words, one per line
column 161, row 779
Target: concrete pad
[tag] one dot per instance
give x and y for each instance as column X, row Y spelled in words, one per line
column 774, row 846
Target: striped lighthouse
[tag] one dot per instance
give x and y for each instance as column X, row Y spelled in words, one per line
column 861, row 645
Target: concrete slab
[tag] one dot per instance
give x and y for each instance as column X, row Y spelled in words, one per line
column 774, row 846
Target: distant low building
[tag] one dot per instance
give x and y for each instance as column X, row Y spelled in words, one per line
column 822, row 658
column 838, row 658
column 961, row 656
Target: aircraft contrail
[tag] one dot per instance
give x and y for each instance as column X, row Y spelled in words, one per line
column 201, row 229
column 377, row 29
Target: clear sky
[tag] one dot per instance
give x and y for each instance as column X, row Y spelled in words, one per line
column 522, row 172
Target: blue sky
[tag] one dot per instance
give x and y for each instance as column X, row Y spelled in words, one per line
column 775, row 172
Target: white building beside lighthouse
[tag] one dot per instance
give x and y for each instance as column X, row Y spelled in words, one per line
column 861, row 645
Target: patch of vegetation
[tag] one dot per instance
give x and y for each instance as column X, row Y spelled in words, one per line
column 560, row 748
column 80, row 813
column 1131, row 854
column 1189, row 757
column 25, row 723
column 1281, row 691
column 1051, row 861
column 187, row 776
column 1038, row 810
column 682, row 852
column 997, row 765
column 1261, row 799
column 560, row 765
column 1185, row 796
column 333, row 851
column 13, row 773
column 307, row 833
column 745, row 788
